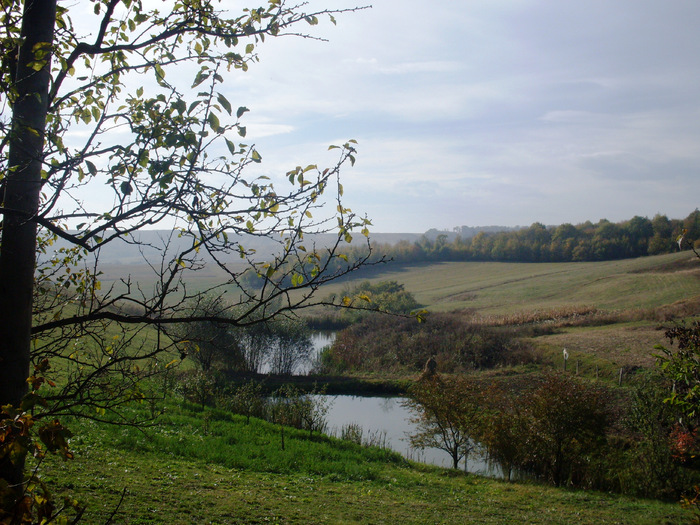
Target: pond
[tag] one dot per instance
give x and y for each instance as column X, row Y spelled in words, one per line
column 386, row 419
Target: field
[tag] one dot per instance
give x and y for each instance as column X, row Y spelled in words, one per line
column 626, row 303
column 508, row 288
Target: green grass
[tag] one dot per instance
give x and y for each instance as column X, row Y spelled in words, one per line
column 506, row 288
column 187, row 471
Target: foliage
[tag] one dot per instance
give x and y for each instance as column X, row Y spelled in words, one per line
column 277, row 345
column 383, row 296
column 116, row 119
column 603, row 241
column 197, row 386
column 290, row 407
column 683, row 368
column 247, row 400
column 566, row 423
column 448, row 415
column 22, row 434
column 289, row 345
column 503, row 429
column 209, row 343
column 390, row 344
column 650, row 468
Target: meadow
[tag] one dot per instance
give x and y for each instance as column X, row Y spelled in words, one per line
column 508, row 288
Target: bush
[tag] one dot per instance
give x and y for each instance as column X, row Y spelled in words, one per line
column 246, row 400
column 567, row 419
column 289, row 406
column 197, row 387
column 402, row 345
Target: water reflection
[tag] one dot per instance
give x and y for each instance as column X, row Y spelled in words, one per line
column 319, row 341
column 388, row 416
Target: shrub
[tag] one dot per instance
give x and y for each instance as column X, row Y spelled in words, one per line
column 566, row 420
column 289, row 406
column 401, row 345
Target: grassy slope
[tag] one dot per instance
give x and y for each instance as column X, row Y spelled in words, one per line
column 176, row 474
column 506, row 288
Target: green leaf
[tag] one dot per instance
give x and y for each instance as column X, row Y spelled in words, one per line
column 201, row 76
column 160, row 72
column 214, row 122
column 240, row 111
column 91, row 167
column 225, row 103
column 231, row 146
column 256, row 156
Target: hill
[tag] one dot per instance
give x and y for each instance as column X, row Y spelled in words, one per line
column 492, row 288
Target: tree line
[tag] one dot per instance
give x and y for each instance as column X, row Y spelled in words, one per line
column 602, row 241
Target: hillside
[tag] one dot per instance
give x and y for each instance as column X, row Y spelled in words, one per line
column 507, row 288
column 607, row 314
column 217, row 469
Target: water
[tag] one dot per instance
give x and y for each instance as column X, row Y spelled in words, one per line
column 319, row 340
column 387, row 416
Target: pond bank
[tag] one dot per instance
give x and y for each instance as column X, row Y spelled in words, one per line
column 336, row 385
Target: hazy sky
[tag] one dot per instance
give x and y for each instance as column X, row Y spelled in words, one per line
column 488, row 112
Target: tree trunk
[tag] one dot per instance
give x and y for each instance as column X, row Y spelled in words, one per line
column 22, row 186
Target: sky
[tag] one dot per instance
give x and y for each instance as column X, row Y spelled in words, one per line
column 489, row 112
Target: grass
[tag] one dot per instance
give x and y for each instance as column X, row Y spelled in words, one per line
column 176, row 474
column 508, row 288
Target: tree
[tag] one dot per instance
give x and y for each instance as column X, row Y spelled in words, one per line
column 447, row 414
column 290, row 345
column 367, row 298
column 566, row 422
column 503, row 431
column 682, row 367
column 209, row 343
column 90, row 158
